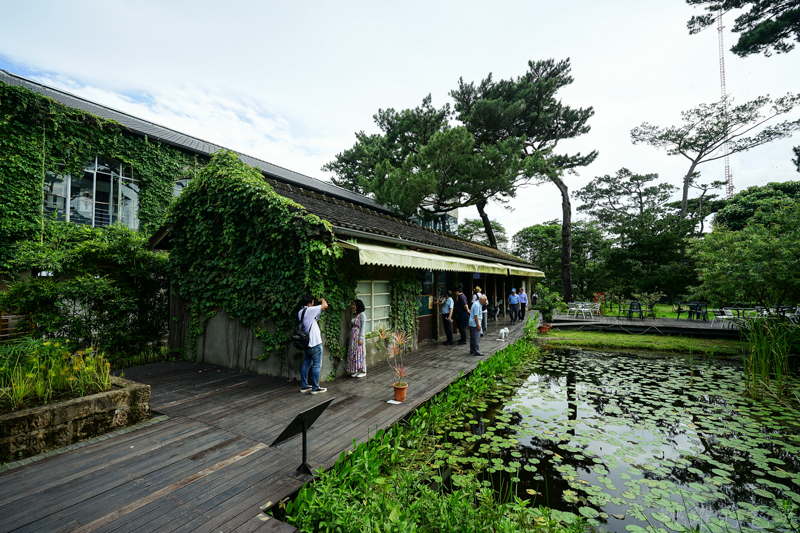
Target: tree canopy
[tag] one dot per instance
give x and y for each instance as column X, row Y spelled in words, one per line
column 528, row 108
column 744, row 205
column 713, row 131
column 472, row 230
column 759, row 263
column 767, row 26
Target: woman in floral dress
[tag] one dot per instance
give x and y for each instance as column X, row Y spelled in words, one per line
column 356, row 353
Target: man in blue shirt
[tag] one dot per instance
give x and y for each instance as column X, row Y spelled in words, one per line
column 475, row 315
column 312, row 359
column 523, row 303
column 447, row 318
column 513, row 306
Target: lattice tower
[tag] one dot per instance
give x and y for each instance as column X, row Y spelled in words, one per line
column 723, row 89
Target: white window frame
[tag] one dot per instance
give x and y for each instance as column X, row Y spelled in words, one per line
column 369, row 322
column 117, row 178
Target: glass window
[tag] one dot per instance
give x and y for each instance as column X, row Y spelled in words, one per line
column 56, row 192
column 375, row 295
column 106, row 193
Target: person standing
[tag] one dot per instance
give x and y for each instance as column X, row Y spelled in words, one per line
column 462, row 315
column 475, row 314
column 309, row 316
column 523, row 303
column 476, row 297
column 356, row 351
column 513, row 306
column 447, row 319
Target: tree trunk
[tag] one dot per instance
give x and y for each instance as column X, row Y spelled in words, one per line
column 487, row 225
column 566, row 239
column 687, row 180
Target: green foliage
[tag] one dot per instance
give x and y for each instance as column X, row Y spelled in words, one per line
column 712, row 131
column 744, row 204
column 760, row 263
column 766, row 26
column 472, row 230
column 403, row 301
column 766, row 366
column 392, row 482
column 548, row 300
column 106, row 289
column 541, row 245
column 648, row 241
column 37, row 134
column 34, row 371
column 241, row 247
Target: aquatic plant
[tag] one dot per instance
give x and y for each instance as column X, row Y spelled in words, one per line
column 766, row 366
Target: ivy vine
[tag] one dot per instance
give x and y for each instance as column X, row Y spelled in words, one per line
column 240, row 246
column 38, row 134
column 403, row 300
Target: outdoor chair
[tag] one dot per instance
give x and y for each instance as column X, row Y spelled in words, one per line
column 596, row 308
column 586, row 308
column 572, row 308
column 681, row 309
column 650, row 310
column 701, row 311
column 634, row 308
column 719, row 315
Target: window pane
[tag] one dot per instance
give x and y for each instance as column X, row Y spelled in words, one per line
column 107, row 165
column 363, row 287
column 381, row 286
column 102, row 200
column 177, row 189
column 381, row 299
column 81, row 202
column 383, row 323
column 367, row 299
column 55, row 195
column 129, row 203
column 368, row 313
column 380, row 312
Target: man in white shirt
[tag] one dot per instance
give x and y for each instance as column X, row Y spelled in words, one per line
column 309, row 315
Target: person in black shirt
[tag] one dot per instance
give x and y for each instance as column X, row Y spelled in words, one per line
column 462, row 318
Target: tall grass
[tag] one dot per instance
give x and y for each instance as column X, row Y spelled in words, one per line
column 766, row 366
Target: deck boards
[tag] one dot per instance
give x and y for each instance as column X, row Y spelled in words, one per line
column 146, row 480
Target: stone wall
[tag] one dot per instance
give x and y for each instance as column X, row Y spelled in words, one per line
column 40, row 429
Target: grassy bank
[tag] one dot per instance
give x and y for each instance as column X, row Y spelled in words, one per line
column 556, row 338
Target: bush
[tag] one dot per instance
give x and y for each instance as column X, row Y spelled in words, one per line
column 102, row 288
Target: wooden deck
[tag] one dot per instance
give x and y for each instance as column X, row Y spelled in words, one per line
column 208, row 466
column 656, row 326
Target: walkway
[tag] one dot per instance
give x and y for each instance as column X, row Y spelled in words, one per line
column 655, row 326
column 208, row 466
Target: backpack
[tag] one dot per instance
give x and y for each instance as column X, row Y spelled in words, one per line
column 300, row 337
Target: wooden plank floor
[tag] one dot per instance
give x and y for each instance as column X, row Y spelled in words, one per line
column 656, row 326
column 209, row 466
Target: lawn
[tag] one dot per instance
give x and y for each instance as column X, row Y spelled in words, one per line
column 662, row 311
column 625, row 341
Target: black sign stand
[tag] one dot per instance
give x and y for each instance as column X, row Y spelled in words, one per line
column 302, row 422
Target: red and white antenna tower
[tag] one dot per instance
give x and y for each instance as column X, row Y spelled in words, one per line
column 728, row 175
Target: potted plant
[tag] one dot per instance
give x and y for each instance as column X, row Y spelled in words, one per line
column 548, row 301
column 396, row 342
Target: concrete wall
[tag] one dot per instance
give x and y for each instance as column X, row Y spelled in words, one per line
column 228, row 343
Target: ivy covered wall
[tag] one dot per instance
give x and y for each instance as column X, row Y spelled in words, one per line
column 38, row 134
column 240, row 247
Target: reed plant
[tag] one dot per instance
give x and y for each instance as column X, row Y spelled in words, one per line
column 766, row 366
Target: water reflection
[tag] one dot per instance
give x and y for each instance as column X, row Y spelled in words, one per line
column 633, row 441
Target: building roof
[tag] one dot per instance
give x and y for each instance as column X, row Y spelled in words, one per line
column 350, row 219
column 350, row 213
column 187, row 142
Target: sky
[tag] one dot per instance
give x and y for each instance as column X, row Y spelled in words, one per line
column 292, row 82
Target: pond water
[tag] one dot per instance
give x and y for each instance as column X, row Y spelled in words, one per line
column 635, row 443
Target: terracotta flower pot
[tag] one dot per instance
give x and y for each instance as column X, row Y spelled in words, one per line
column 400, row 392
column 545, row 328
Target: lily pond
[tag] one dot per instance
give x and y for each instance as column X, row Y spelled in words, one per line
column 636, row 443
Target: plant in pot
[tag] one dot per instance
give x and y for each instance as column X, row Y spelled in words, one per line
column 548, row 301
column 396, row 342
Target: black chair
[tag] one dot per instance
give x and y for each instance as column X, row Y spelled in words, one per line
column 701, row 311
column 633, row 308
column 681, row 309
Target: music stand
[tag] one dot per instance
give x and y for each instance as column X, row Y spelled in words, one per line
column 302, row 422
